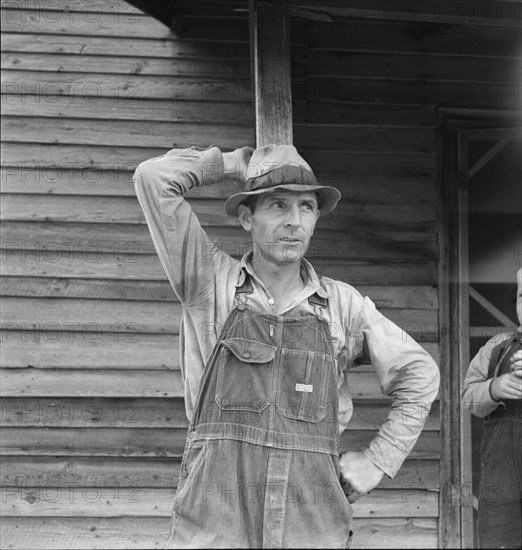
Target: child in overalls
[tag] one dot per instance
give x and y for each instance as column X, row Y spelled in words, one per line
column 493, row 390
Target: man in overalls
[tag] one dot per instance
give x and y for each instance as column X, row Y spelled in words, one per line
column 493, row 391
column 265, row 346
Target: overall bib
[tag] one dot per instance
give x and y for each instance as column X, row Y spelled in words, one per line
column 500, row 497
column 261, row 461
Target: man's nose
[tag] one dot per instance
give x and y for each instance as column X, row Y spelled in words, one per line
column 293, row 217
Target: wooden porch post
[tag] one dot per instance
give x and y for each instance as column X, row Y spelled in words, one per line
column 270, row 50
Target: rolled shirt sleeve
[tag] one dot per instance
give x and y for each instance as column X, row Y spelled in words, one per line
column 408, row 374
column 186, row 253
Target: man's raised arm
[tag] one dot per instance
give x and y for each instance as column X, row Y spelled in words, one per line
column 185, row 251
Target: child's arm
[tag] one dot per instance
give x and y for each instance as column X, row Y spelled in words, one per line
column 476, row 391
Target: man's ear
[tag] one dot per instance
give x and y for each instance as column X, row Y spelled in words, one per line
column 245, row 216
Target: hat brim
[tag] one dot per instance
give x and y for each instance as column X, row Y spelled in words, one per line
column 330, row 196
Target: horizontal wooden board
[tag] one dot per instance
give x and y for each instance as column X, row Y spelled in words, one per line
column 132, row 318
column 128, row 65
column 356, row 272
column 350, row 168
column 103, row 383
column 445, row 93
column 126, row 133
column 48, row 471
column 82, row 241
column 137, row 532
column 412, row 297
column 80, row 23
column 117, row 349
column 88, row 87
column 417, row 67
column 111, row 502
column 155, row 47
column 120, row 133
column 104, row 412
column 395, row 36
column 162, row 442
column 209, row 211
column 379, row 178
column 215, row 112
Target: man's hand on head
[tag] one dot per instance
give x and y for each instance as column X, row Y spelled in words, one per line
column 236, row 164
column 359, row 475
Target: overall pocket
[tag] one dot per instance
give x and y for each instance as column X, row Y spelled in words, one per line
column 243, row 377
column 193, row 459
column 304, row 379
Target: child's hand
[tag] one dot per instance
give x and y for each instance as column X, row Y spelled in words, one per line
column 507, row 386
column 516, row 362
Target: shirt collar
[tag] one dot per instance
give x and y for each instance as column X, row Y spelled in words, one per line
column 308, row 274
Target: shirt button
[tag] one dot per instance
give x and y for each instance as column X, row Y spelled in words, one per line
column 271, row 301
column 246, row 355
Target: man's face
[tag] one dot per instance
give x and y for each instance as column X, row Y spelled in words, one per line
column 282, row 225
column 519, row 296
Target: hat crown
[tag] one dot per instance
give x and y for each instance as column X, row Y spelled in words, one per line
column 276, row 164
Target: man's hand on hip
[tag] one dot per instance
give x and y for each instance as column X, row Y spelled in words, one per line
column 236, row 164
column 359, row 475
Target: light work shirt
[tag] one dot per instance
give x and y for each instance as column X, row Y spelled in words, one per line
column 204, row 278
column 475, row 392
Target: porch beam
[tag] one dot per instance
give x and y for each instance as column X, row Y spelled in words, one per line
column 270, row 48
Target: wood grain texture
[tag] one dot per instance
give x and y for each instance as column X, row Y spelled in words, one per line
column 152, row 532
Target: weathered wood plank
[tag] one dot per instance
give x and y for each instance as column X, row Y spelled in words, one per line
column 103, row 412
column 49, row 471
column 507, row 14
column 82, row 471
column 76, row 533
column 49, row 240
column 120, row 133
column 370, row 178
column 213, row 112
column 80, row 23
column 89, row 318
column 270, row 36
column 102, row 383
column 357, row 272
column 403, row 66
column 21, row 348
column 113, row 65
column 395, row 36
column 158, row 134
column 425, row 92
column 411, row 297
column 88, row 87
column 136, row 501
column 162, row 442
column 155, row 47
column 209, row 211
column 405, row 168
column 242, row 114
column 124, row 133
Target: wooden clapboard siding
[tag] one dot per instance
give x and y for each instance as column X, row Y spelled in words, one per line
column 152, row 532
column 89, row 93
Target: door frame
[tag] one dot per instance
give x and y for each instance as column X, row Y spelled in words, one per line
column 456, row 529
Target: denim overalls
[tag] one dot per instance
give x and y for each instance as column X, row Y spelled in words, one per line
column 500, row 497
column 261, row 461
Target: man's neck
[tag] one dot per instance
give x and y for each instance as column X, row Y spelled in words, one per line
column 281, row 280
